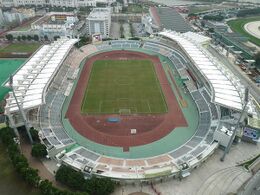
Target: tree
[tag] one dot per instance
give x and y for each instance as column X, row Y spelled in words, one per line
column 35, row 135
column 46, row 187
column 39, row 150
column 99, row 186
column 9, row 37
column 36, row 37
column 29, row 37
column 56, row 37
column 32, row 177
column 211, row 30
column 21, row 166
column 213, row 17
column 19, row 38
column 192, row 15
column 202, row 23
column 245, row 12
column 134, row 38
column 82, row 41
column 46, row 38
column 24, row 37
column 70, row 177
column 257, row 59
column 75, row 180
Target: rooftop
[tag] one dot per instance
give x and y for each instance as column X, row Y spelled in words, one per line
column 59, row 18
column 254, row 122
column 169, row 18
column 32, row 79
column 99, row 13
column 228, row 91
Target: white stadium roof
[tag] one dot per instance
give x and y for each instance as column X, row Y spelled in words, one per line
column 201, row 39
column 227, row 90
column 32, row 79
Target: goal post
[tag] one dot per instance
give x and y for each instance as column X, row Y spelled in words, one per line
column 124, row 111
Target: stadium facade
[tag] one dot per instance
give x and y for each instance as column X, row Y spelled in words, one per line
column 45, row 83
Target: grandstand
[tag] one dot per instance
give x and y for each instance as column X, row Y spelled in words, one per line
column 196, row 146
column 217, row 88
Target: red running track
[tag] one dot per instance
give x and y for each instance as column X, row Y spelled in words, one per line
column 150, row 127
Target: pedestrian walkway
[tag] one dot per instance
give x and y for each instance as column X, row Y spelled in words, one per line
column 35, row 163
column 212, row 177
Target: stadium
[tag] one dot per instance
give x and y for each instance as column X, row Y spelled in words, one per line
column 127, row 109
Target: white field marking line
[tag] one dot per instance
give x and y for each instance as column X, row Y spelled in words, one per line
column 100, row 105
column 159, row 87
column 129, row 99
column 88, row 86
column 134, row 109
column 148, row 103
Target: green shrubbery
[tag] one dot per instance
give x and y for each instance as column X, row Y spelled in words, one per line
column 215, row 18
column 39, row 150
column 28, row 174
column 82, row 41
column 246, row 12
column 18, row 160
column 76, row 181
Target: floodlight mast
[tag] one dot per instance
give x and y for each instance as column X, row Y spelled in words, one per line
column 26, row 123
column 237, row 125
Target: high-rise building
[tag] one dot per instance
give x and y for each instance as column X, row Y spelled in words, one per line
column 99, row 21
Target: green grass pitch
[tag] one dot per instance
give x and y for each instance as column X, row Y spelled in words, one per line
column 123, row 86
column 238, row 26
column 21, row 47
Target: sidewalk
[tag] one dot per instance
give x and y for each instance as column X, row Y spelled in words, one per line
column 211, row 178
column 35, row 163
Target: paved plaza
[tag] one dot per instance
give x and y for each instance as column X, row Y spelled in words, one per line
column 212, row 177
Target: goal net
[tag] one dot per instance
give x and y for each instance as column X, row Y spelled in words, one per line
column 124, row 111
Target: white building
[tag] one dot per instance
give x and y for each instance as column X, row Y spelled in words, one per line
column 59, row 3
column 55, row 24
column 149, row 24
column 99, row 21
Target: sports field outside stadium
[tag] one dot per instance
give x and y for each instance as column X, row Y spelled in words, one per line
column 123, row 86
column 238, row 26
column 7, row 67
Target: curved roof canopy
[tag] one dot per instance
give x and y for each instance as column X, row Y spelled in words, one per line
column 227, row 89
column 32, row 79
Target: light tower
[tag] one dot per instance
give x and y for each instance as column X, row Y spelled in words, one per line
column 237, row 125
column 26, row 123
